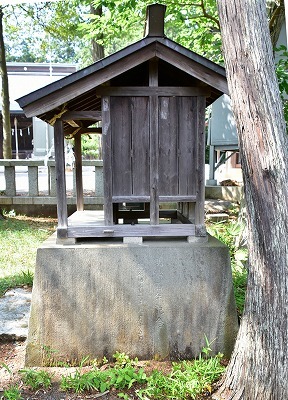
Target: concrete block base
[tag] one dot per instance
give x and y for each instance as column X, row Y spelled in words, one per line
column 155, row 300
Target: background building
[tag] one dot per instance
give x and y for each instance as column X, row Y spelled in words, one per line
column 224, row 162
column 31, row 137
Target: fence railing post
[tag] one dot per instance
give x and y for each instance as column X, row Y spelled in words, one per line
column 33, row 181
column 9, row 173
column 52, row 178
column 99, row 184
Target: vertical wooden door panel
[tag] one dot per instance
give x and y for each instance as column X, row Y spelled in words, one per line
column 168, row 146
column 140, row 146
column 121, row 146
column 187, row 111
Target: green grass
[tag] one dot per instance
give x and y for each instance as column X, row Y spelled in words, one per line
column 20, row 236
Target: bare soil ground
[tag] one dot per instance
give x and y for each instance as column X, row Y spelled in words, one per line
column 12, row 355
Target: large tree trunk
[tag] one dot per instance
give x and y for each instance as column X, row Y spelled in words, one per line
column 97, row 49
column 7, row 146
column 258, row 367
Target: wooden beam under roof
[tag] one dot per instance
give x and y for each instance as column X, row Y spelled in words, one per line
column 193, row 68
column 81, row 115
column 87, row 83
column 71, row 130
column 153, row 91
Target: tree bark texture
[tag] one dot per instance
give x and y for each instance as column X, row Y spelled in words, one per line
column 7, row 146
column 276, row 20
column 258, row 367
column 97, row 49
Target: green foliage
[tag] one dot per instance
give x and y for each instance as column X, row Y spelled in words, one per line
column 193, row 25
column 12, row 393
column 188, row 379
column 122, row 375
column 227, row 232
column 45, row 32
column 282, row 76
column 36, row 379
column 91, row 146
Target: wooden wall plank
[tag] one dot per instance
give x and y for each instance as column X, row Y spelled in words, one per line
column 146, row 199
column 168, row 146
column 154, row 156
column 187, row 111
column 140, row 146
column 107, row 160
column 78, row 172
column 121, row 146
column 154, row 143
column 200, row 166
column 60, row 175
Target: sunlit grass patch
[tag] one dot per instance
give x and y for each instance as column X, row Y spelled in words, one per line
column 20, row 236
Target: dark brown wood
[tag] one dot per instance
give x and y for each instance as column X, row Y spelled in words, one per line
column 140, row 141
column 86, row 83
column 78, row 172
column 71, row 131
column 187, row 144
column 60, row 175
column 154, row 163
column 146, row 214
column 200, row 162
column 168, row 146
column 107, row 160
column 153, row 74
column 155, row 91
column 183, row 219
column 81, row 115
column 121, row 146
column 169, row 199
column 154, row 143
column 154, row 24
column 192, row 67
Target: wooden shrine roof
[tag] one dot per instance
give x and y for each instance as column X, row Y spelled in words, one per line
column 78, row 91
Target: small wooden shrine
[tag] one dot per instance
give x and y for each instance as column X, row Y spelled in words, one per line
column 149, row 103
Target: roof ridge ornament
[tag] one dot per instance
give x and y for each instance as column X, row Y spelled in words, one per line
column 154, row 23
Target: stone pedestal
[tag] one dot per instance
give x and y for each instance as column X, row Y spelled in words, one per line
column 158, row 299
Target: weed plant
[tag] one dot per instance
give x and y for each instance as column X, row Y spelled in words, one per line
column 36, row 379
column 122, row 376
column 12, row 393
column 188, row 379
column 227, row 232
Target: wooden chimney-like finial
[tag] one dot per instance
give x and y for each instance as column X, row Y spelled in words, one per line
column 154, row 25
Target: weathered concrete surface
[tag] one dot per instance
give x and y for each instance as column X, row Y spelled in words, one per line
column 154, row 300
column 14, row 314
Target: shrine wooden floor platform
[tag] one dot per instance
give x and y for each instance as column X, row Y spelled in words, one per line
column 90, row 223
